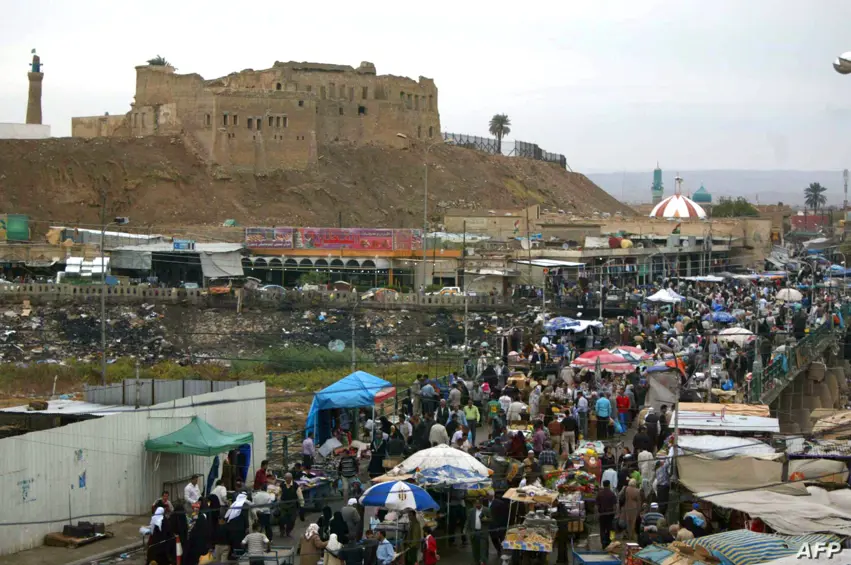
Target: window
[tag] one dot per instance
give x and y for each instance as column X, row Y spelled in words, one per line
column 430, row 131
column 322, row 92
column 277, row 122
column 364, row 93
column 309, row 88
column 410, row 100
column 351, row 94
column 361, row 110
column 143, row 119
column 236, row 119
column 250, row 123
column 430, row 108
column 332, row 89
column 272, row 121
column 416, row 102
column 342, row 91
column 300, row 103
column 286, row 121
column 278, row 86
column 341, row 110
column 135, row 119
column 402, row 96
column 225, row 120
column 259, row 123
column 207, row 120
column 419, row 131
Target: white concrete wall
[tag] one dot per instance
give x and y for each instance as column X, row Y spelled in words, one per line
column 99, row 471
column 24, row 131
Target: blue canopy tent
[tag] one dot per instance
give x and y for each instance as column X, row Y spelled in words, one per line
column 358, row 390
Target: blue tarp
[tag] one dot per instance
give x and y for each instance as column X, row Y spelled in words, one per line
column 357, row 390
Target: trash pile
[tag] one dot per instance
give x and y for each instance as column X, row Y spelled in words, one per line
column 151, row 333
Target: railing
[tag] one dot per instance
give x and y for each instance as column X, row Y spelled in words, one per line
column 775, row 378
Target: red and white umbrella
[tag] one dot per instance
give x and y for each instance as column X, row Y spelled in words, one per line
column 631, row 353
column 608, row 361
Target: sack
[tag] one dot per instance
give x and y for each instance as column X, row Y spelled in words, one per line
column 619, row 427
column 620, row 525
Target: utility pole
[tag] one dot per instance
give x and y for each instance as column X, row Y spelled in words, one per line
column 529, row 242
column 102, row 288
column 464, row 281
column 354, row 363
column 425, row 217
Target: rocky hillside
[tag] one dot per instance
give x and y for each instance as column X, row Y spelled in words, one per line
column 158, row 182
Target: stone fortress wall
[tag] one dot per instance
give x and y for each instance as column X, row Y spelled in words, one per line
column 273, row 118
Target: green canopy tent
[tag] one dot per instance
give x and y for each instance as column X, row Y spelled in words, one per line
column 198, row 438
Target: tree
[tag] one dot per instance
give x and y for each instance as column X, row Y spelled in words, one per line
column 730, row 208
column 499, row 128
column 814, row 196
column 159, row 61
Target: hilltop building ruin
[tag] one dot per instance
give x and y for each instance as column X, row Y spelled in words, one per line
column 273, row 118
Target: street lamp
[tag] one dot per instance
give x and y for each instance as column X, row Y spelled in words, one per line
column 842, row 64
column 602, row 268
column 103, row 224
column 844, row 274
column 466, row 295
column 425, row 197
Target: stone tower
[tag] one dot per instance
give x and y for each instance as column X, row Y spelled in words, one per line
column 34, row 99
column 657, row 191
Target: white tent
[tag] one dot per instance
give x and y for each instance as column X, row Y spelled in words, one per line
column 739, row 336
column 667, row 296
column 789, row 295
column 440, row 456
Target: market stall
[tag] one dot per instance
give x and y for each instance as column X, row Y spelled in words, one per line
column 397, row 497
column 538, row 531
column 357, row 390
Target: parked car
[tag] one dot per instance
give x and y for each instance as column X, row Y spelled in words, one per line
column 447, row 291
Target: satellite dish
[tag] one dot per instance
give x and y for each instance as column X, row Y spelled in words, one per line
column 336, row 345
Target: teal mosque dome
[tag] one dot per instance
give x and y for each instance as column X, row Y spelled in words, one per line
column 702, row 196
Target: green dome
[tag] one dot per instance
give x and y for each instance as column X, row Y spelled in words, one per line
column 702, row 196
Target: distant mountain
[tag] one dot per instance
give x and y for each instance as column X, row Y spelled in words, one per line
column 769, row 187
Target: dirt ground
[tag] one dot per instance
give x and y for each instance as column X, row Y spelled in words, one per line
column 158, row 183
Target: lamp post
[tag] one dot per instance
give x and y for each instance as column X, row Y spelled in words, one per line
column 844, row 274
column 466, row 295
column 602, row 268
column 103, row 226
column 425, row 197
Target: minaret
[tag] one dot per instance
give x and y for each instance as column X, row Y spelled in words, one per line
column 34, row 99
column 679, row 180
column 657, row 191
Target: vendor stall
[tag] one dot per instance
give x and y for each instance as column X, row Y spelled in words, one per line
column 538, row 530
column 398, row 497
column 357, row 390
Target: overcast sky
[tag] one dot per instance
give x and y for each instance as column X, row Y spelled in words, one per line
column 612, row 84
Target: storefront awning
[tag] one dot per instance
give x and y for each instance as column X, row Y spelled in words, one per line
column 548, row 263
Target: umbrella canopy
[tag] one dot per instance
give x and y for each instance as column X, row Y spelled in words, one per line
column 720, row 317
column 789, row 295
column 608, row 361
column 739, row 336
column 198, row 438
column 666, row 295
column 560, row 323
column 452, row 476
column 440, row 456
column 630, row 353
column 398, row 495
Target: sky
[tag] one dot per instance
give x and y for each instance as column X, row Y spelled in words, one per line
column 612, row 84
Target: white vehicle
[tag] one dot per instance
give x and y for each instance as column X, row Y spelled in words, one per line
column 448, row 291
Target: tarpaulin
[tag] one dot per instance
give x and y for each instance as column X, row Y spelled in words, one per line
column 703, row 475
column 218, row 265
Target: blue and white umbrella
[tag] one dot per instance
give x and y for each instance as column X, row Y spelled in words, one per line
column 560, row 323
column 455, row 477
column 720, row 317
column 398, row 495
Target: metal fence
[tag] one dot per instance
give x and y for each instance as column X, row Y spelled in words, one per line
column 148, row 392
column 490, row 145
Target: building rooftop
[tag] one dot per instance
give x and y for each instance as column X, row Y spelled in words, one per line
column 70, row 407
column 199, row 248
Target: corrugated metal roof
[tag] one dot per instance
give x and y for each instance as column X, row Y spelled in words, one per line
column 199, row 248
column 71, row 407
column 703, row 421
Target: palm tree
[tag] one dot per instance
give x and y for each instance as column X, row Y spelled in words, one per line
column 159, row 61
column 814, row 196
column 499, row 129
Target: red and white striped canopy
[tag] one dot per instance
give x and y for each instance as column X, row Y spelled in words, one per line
column 678, row 206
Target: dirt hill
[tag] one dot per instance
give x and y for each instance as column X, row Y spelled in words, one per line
column 158, row 182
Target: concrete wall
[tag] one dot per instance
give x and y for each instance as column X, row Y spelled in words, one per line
column 100, row 469
column 24, row 131
column 99, row 126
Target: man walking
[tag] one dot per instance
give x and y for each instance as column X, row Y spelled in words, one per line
column 606, row 504
column 308, row 451
column 262, row 501
column 603, row 409
column 348, row 470
column 582, row 413
column 471, row 412
column 478, row 521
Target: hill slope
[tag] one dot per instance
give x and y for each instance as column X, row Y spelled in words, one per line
column 158, row 182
